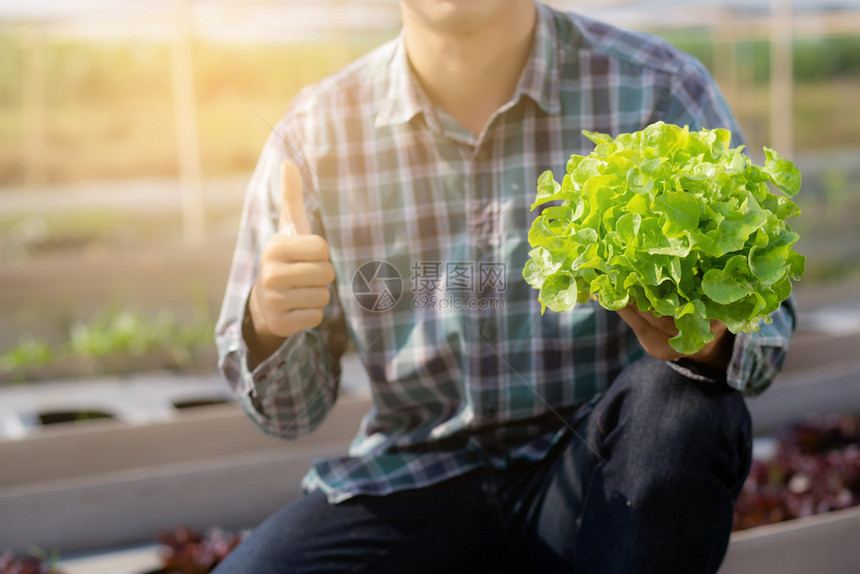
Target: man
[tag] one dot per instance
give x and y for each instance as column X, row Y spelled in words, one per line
column 499, row 439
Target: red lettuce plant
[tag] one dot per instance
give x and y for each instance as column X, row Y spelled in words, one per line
column 816, row 469
column 189, row 552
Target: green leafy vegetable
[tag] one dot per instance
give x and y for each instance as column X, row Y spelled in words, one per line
column 677, row 222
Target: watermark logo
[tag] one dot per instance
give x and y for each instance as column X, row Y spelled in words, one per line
column 461, row 285
column 377, row 286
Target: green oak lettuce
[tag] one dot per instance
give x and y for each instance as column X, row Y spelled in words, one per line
column 677, row 222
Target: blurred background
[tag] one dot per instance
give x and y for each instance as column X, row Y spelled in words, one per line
column 128, row 131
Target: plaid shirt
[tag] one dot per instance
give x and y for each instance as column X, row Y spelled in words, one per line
column 427, row 226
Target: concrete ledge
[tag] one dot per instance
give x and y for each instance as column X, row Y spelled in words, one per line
column 128, row 507
column 130, row 561
column 822, row 543
column 116, row 485
column 106, row 446
column 834, row 388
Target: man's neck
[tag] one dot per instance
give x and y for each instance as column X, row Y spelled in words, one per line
column 471, row 71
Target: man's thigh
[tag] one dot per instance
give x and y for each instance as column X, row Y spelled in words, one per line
column 445, row 528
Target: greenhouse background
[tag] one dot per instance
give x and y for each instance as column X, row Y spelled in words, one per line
column 128, row 132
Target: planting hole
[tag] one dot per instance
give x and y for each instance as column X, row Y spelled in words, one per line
column 198, row 403
column 57, row 417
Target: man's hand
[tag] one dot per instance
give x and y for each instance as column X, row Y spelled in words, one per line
column 654, row 334
column 295, row 270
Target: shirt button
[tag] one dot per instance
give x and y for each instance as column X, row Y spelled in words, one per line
column 483, row 245
column 487, row 329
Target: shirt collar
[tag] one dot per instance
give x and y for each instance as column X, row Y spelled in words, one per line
column 539, row 81
column 404, row 98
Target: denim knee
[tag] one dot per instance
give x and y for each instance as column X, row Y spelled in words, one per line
column 672, row 455
column 675, row 422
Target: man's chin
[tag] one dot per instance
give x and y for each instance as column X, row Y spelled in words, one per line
column 456, row 16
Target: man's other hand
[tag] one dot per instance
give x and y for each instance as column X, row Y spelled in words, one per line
column 654, row 334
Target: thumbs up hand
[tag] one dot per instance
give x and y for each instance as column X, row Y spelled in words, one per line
column 295, row 270
column 293, row 220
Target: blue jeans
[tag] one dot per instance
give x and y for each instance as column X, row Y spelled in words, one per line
column 646, row 485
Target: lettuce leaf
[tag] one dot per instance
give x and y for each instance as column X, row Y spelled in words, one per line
column 677, row 222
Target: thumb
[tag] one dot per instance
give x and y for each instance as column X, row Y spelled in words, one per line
column 293, row 218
